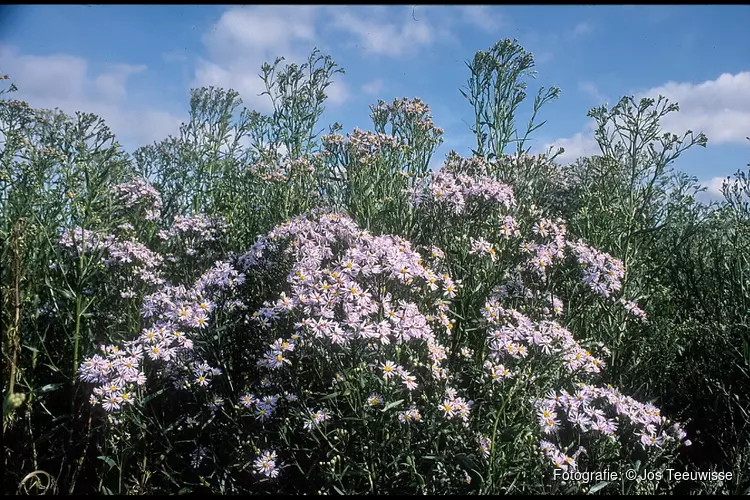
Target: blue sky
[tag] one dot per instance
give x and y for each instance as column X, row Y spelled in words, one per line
column 134, row 65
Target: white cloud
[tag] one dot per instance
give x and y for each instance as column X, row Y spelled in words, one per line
column 580, row 144
column 714, row 187
column 483, row 17
column 374, row 87
column 720, row 108
column 111, row 86
column 375, row 35
column 592, row 90
column 338, row 93
column 64, row 81
column 244, row 38
column 582, row 28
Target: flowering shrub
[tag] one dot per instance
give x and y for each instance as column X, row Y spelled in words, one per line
column 282, row 314
column 356, row 346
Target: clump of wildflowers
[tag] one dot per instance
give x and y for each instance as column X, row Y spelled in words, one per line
column 316, row 418
column 194, row 233
column 334, row 298
column 172, row 316
column 138, row 264
column 140, row 193
column 633, row 309
column 601, row 272
column 455, row 190
column 412, row 415
column 454, row 407
column 603, row 412
column 513, row 336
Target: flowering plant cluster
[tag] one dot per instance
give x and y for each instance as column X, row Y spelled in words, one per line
column 377, row 313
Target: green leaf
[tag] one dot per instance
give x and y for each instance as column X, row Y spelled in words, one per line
column 598, row 486
column 108, row 461
column 392, row 405
column 50, row 388
column 466, row 462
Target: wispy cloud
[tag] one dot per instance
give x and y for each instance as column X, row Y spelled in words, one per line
column 714, row 188
column 64, row 81
column 244, row 38
column 720, row 108
column 578, row 145
column 582, row 28
column 484, row 17
column 338, row 93
column 374, row 88
column 376, row 35
column 592, row 90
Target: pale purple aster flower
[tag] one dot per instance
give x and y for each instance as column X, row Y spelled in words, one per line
column 266, row 464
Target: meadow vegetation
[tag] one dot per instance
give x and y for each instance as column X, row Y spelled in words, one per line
column 261, row 305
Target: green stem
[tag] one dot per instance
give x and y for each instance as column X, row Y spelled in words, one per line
column 77, row 334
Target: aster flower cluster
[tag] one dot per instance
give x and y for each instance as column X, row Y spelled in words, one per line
column 282, row 171
column 462, row 178
column 117, row 372
column 480, row 246
column 142, row 263
column 474, row 166
column 405, row 113
column 633, row 309
column 602, row 412
column 145, row 264
column 412, row 415
column 83, row 241
column 455, row 407
column 512, row 337
column 551, row 250
column 265, row 407
column 139, row 193
column 340, row 281
column 333, row 293
column 174, row 314
column 598, row 411
column 558, row 457
column 454, row 191
column 316, row 418
column 601, row 272
column 359, row 145
column 391, row 370
column 195, row 230
column 266, row 465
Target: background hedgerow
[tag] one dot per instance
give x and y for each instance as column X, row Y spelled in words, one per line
column 255, row 306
